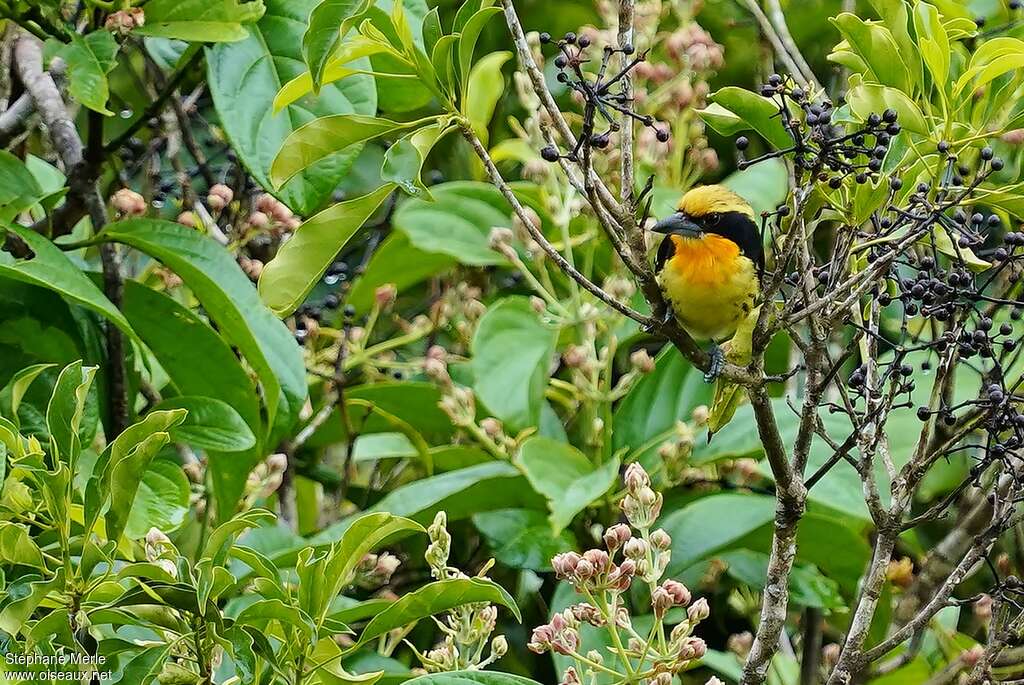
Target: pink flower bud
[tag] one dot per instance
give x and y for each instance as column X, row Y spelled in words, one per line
column 266, row 203
column 187, row 219
column 215, row 202
column 642, row 361
column 491, row 426
column 259, row 220
column 565, row 564
column 699, row 611
column 128, row 203
column 661, row 601
column 972, row 656
column 636, row 548
column 661, row 539
column 616, row 536
column 636, row 478
column 385, row 295
column 599, row 558
column 680, row 595
column 693, row 648
column 584, row 569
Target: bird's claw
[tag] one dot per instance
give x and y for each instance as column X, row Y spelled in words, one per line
column 665, row 320
column 716, row 364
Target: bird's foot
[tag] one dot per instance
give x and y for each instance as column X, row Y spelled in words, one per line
column 716, row 365
column 665, row 320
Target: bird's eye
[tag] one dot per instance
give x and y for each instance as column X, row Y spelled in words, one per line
column 713, row 219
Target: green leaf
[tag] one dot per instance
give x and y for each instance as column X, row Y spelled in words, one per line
column 325, row 136
column 65, row 410
column 436, row 598
column 467, row 42
column 302, row 260
column 764, row 185
column 485, row 88
column 199, row 363
column 874, row 44
column 756, row 112
column 396, row 262
column 471, row 678
column 90, row 58
column 245, row 76
column 990, row 61
column 261, row 612
column 807, row 586
column 341, row 66
column 15, row 390
column 162, row 500
column 228, row 295
column 17, row 547
column 522, row 538
column 211, row 424
column 200, row 21
column 565, row 476
column 128, row 458
column 713, row 523
column 19, row 188
column 50, row 268
column 868, row 98
column 364, row 534
column 512, row 350
column 647, row 415
column 933, row 42
column 462, row 493
column 403, row 162
column 457, row 222
column 145, row 666
column 323, row 34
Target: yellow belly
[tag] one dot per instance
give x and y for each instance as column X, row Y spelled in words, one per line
column 711, row 291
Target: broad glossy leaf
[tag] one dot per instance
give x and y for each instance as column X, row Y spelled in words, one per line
column 17, row 547
column 868, row 98
column 228, row 295
column 512, row 351
column 933, row 43
column 647, row 415
column 874, row 43
column 462, row 493
column 129, row 456
column 326, row 136
column 200, row 21
column 522, row 538
column 323, row 34
column 162, row 500
column 199, row 362
column 399, row 263
column 65, row 410
column 713, row 523
column 991, row 60
column 341, row 65
column 565, row 476
column 50, row 268
column 471, row 31
column 403, row 162
column 764, row 185
column 16, row 388
column 435, row 598
column 19, row 188
column 457, row 222
column 758, row 113
column 244, row 78
column 484, row 90
column 211, row 424
column 303, row 259
column 90, row 58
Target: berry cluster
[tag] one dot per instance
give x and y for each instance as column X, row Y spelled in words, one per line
column 602, row 94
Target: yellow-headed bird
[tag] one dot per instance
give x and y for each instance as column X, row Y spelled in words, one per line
column 709, row 265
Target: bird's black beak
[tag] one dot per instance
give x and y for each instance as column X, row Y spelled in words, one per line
column 678, row 224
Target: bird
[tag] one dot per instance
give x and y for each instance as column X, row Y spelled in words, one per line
column 709, row 266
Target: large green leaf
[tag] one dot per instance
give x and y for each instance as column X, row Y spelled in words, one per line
column 646, row 416
column 199, row 363
column 874, row 43
column 512, row 350
column 565, row 476
column 19, row 188
column 323, row 33
column 485, row 88
column 302, row 261
column 200, row 21
column 868, row 98
column 228, row 295
column 522, row 538
column 713, row 523
column 756, row 112
column 90, row 58
column 990, row 61
column 457, row 222
column 162, row 500
column 396, row 262
column 211, row 424
column 65, row 410
column 50, row 268
column 244, row 78
column 321, row 138
column 436, row 598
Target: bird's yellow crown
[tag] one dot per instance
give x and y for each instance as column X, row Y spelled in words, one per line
column 706, row 200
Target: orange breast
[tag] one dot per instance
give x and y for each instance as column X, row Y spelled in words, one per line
column 707, row 261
